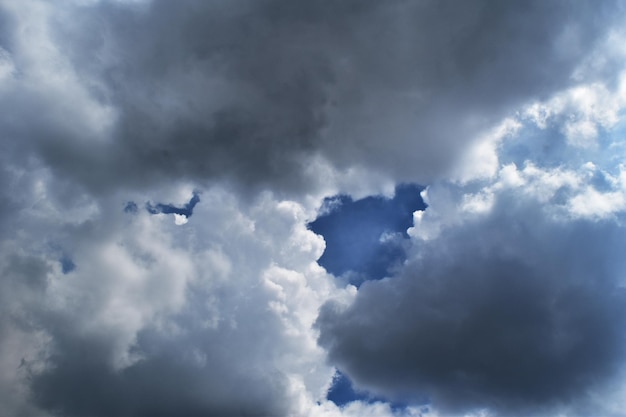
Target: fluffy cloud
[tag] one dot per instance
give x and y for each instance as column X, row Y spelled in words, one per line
column 510, row 299
column 158, row 318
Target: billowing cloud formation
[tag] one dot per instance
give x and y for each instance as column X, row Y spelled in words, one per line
column 506, row 312
column 257, row 91
column 510, row 301
column 160, row 321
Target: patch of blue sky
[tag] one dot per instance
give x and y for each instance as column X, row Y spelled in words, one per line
column 130, row 207
column 342, row 392
column 615, row 141
column 549, row 148
column 542, row 146
column 67, row 265
column 186, row 210
column 365, row 238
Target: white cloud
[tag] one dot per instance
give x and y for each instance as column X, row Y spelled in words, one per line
column 180, row 219
column 249, row 284
column 481, row 160
column 582, row 111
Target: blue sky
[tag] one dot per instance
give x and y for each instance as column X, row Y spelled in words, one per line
column 352, row 231
column 312, row 208
column 365, row 237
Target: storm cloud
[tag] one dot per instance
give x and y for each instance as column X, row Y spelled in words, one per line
column 515, row 313
column 504, row 296
column 254, row 91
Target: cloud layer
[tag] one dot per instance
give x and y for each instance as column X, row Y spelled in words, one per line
column 507, row 298
column 255, row 91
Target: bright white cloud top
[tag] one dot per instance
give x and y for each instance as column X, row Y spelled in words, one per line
column 162, row 162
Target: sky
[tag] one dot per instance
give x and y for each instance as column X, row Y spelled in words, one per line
column 312, row 208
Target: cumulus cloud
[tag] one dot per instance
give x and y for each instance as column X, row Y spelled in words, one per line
column 238, row 118
column 511, row 300
column 156, row 319
column 510, row 311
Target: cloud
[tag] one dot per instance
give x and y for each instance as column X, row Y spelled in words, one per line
column 509, row 300
column 511, row 312
column 253, row 91
column 159, row 319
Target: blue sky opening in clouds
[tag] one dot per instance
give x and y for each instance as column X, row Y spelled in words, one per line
column 342, row 392
column 315, row 278
column 67, row 265
column 131, row 207
column 186, row 210
column 366, row 238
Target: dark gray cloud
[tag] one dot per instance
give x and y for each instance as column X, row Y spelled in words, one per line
column 513, row 313
column 191, row 374
column 251, row 91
